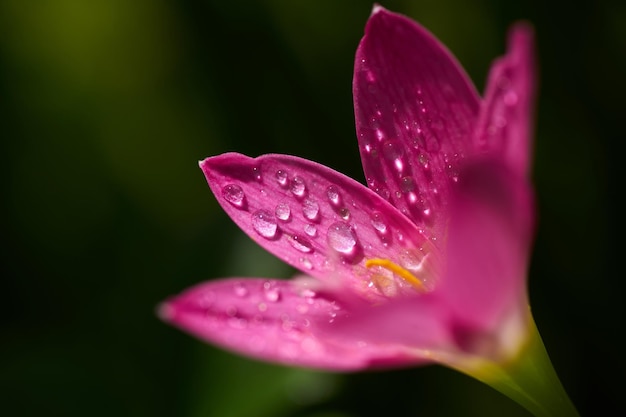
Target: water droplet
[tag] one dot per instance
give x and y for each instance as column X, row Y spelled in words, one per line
column 310, row 209
column 264, row 223
column 298, row 187
column 344, row 213
column 307, row 293
column 407, row 184
column 262, row 307
column 310, row 230
column 341, row 237
column 333, row 195
column 381, row 191
column 392, row 150
column 377, row 222
column 283, row 212
column 281, row 177
column 301, row 243
column 238, row 323
column 234, row 195
column 272, row 293
column 423, row 160
column 306, row 263
column 256, row 171
column 240, row 289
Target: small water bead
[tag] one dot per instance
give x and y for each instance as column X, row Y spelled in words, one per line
column 310, row 230
column 272, row 293
column 264, row 223
column 283, row 211
column 407, row 184
column 240, row 289
column 423, row 160
column 378, row 223
column 310, row 209
column 301, row 243
column 281, row 177
column 234, row 195
column 392, row 149
column 256, row 171
column 298, row 187
column 306, row 263
column 332, row 192
column 344, row 213
column 341, row 237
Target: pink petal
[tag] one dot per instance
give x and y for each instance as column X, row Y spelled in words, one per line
column 490, row 234
column 479, row 306
column 506, row 117
column 318, row 220
column 280, row 321
column 415, row 113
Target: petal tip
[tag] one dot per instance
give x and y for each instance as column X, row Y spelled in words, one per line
column 376, row 8
column 165, row 311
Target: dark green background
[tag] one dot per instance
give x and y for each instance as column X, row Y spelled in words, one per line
column 106, row 107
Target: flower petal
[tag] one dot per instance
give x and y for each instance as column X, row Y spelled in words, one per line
column 318, row 220
column 415, row 112
column 280, row 321
column 479, row 306
column 488, row 247
column 505, row 122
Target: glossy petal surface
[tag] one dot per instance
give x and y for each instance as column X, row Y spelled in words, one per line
column 317, row 220
column 429, row 262
column 415, row 112
column 281, row 321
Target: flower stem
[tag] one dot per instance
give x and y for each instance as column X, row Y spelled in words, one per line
column 530, row 380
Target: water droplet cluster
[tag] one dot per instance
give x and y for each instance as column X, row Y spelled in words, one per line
column 318, row 226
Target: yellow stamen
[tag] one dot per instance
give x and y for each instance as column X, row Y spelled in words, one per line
column 399, row 271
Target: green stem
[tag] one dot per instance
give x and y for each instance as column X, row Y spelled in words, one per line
column 530, row 380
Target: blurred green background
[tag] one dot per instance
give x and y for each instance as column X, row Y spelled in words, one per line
column 106, row 107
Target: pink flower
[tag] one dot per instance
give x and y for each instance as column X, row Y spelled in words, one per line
column 429, row 263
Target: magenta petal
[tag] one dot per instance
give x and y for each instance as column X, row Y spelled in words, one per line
column 421, row 322
column 415, row 113
column 280, row 321
column 506, row 117
column 491, row 229
column 316, row 219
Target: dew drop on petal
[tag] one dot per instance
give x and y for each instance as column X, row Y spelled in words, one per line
column 283, row 212
column 341, row 237
column 264, row 223
column 378, row 223
column 407, row 184
column 298, row 187
column 344, row 213
column 306, row 263
column 301, row 243
column 256, row 172
column 310, row 230
column 234, row 195
column 240, row 289
column 392, row 150
column 333, row 195
column 281, row 177
column 383, row 192
column 310, row 209
column 271, row 292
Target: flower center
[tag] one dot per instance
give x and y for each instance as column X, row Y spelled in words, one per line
column 397, row 270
